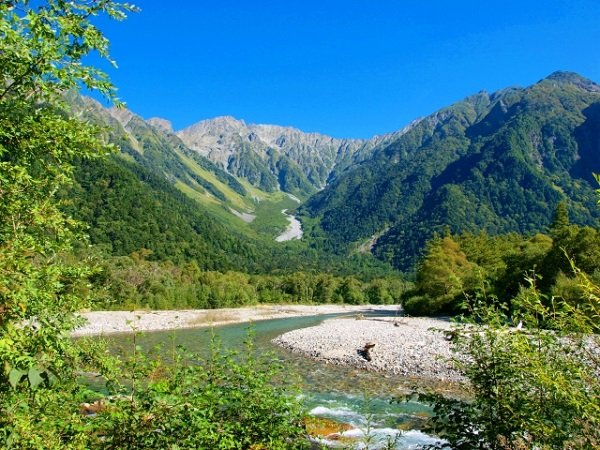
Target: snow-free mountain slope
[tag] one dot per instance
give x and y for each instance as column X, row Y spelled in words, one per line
column 497, row 162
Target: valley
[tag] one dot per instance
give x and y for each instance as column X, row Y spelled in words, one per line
column 330, row 220
column 490, row 201
column 479, row 219
column 407, row 217
column 452, row 169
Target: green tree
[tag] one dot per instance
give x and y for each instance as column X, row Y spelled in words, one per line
column 560, row 220
column 533, row 386
column 378, row 292
column 527, row 255
column 41, row 52
column 444, row 275
column 350, row 291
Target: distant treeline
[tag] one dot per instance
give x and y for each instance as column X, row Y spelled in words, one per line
column 131, row 282
column 456, row 270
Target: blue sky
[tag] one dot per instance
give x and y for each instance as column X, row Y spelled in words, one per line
column 351, row 68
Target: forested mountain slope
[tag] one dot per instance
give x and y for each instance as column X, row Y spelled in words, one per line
column 128, row 208
column 236, row 172
column 158, row 150
column 497, row 162
column 156, row 194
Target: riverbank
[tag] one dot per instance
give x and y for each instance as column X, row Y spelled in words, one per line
column 406, row 346
column 108, row 322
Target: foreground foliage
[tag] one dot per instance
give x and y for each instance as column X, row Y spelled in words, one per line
column 40, row 57
column 532, row 364
column 537, row 387
column 41, row 50
column 227, row 401
column 533, row 369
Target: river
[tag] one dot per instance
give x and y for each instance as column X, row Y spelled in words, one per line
column 293, row 231
column 359, row 398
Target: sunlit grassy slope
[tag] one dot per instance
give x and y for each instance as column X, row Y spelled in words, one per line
column 265, row 208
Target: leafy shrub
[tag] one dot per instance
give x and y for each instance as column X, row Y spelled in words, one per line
column 534, row 387
column 229, row 401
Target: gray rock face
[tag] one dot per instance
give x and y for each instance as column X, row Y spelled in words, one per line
column 318, row 157
column 270, row 157
column 161, row 124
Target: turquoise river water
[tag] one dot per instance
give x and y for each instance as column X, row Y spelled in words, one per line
column 359, row 398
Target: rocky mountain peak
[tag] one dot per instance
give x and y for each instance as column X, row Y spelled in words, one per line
column 161, row 124
column 122, row 115
column 222, row 124
column 239, row 147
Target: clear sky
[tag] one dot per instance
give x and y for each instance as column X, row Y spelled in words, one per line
column 351, row 68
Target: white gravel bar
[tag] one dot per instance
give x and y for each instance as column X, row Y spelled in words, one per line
column 407, row 346
column 108, row 322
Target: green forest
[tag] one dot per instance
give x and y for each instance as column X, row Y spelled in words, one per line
column 486, row 211
column 457, row 268
column 498, row 163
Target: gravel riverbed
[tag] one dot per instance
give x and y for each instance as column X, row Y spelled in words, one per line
column 407, row 346
column 108, row 322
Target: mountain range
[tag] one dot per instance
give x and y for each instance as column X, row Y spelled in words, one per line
column 274, row 157
column 497, row 162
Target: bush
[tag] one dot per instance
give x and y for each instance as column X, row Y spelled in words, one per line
column 535, row 386
column 229, row 401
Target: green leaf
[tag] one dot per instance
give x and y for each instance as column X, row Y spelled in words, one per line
column 35, row 377
column 15, row 376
